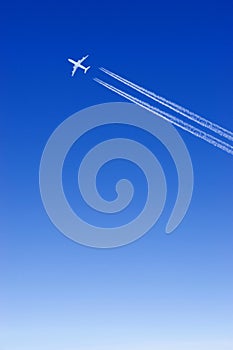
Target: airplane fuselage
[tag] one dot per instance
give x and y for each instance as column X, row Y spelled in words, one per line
column 72, row 61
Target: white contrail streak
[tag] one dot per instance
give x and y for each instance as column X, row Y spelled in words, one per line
column 173, row 106
column 176, row 121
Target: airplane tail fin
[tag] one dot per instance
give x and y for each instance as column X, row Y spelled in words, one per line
column 86, row 69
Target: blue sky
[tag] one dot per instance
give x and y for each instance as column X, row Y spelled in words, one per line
column 165, row 292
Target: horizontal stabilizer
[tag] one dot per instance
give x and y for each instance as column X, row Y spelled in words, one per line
column 86, row 69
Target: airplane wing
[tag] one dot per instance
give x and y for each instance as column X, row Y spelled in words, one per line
column 82, row 59
column 74, row 70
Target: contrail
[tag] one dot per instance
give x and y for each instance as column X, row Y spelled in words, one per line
column 176, row 121
column 173, row 106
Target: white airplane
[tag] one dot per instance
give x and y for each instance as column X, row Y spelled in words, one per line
column 78, row 64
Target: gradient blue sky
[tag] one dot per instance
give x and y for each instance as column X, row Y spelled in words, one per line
column 165, row 292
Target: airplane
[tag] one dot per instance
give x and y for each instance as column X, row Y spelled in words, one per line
column 78, row 64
